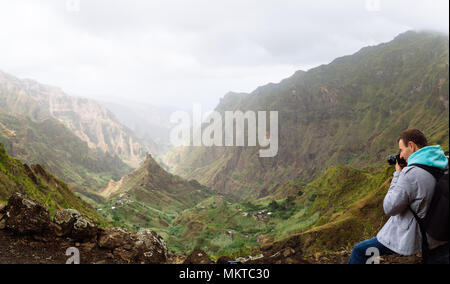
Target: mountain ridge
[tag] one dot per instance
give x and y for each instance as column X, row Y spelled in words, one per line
column 50, row 143
column 343, row 112
column 87, row 119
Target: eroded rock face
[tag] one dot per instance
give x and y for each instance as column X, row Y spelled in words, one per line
column 26, row 216
column 75, row 225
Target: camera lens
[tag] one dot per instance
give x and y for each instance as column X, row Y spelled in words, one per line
column 392, row 159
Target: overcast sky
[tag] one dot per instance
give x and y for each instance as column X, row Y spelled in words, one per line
column 175, row 52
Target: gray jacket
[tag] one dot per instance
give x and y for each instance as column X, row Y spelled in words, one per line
column 413, row 187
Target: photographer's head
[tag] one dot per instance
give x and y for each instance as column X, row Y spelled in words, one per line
column 411, row 141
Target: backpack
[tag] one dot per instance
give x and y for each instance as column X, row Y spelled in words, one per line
column 435, row 223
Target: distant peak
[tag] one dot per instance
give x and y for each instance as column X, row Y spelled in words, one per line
column 412, row 34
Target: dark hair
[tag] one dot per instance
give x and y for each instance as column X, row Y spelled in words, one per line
column 414, row 135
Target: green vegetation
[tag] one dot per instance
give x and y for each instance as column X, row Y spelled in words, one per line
column 151, row 198
column 220, row 227
column 40, row 185
column 51, row 144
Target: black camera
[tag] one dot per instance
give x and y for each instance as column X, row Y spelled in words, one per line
column 393, row 159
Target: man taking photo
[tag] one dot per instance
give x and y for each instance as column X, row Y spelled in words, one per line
column 411, row 193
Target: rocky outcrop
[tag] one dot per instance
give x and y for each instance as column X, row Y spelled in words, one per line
column 152, row 246
column 198, row 257
column 144, row 247
column 25, row 217
column 75, row 225
column 113, row 238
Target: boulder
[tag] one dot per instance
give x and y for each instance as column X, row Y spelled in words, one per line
column 75, row 225
column 198, row 257
column 224, row 260
column 144, row 247
column 151, row 247
column 26, row 216
column 113, row 238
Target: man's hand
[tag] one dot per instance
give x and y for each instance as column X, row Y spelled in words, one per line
column 398, row 168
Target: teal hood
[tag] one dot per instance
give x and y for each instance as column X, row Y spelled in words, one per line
column 432, row 156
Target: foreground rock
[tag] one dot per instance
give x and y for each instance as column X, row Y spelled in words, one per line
column 151, row 246
column 198, row 257
column 287, row 255
column 71, row 223
column 224, row 260
column 145, row 247
column 23, row 221
column 26, row 216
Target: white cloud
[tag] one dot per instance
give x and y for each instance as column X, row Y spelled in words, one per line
column 173, row 52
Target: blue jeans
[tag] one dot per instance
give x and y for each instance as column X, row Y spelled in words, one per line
column 366, row 247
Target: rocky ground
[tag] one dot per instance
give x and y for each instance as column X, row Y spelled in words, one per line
column 343, row 257
column 27, row 250
column 29, row 236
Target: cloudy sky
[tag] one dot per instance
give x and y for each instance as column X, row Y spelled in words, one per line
column 175, row 52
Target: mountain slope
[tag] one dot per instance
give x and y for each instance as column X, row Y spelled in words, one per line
column 350, row 111
column 39, row 184
column 150, row 197
column 149, row 123
column 88, row 120
column 51, row 144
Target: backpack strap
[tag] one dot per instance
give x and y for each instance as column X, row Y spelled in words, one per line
column 420, row 221
column 435, row 172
